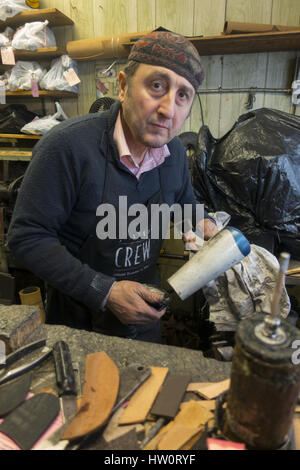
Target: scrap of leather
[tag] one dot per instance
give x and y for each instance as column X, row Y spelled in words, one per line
column 100, row 392
column 189, row 422
column 168, row 400
column 124, row 442
column 13, row 393
column 209, row 390
column 113, row 430
column 31, row 419
column 142, row 400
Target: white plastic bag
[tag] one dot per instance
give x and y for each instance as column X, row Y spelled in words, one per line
column 6, row 37
column 43, row 125
column 23, row 73
column 9, row 8
column 55, row 79
column 33, row 36
column 4, row 78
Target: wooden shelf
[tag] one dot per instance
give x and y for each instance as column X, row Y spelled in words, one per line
column 19, row 136
column 15, row 155
column 244, row 43
column 42, row 94
column 54, row 16
column 248, row 43
column 38, row 54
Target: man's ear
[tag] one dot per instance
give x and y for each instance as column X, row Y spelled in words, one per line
column 122, row 86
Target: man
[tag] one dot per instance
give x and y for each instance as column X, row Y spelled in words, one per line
column 89, row 161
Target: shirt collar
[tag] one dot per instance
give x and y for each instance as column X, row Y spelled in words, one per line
column 119, row 137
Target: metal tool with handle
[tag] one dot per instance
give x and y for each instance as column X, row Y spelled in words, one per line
column 65, row 379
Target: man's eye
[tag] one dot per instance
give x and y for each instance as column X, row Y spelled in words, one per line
column 183, row 95
column 157, row 85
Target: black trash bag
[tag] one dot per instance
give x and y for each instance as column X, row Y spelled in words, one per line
column 14, row 117
column 253, row 173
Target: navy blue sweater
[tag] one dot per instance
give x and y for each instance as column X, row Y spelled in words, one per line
column 62, row 188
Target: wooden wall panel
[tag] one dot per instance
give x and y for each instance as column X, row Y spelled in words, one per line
column 146, row 15
column 113, row 17
column 242, row 70
column 281, row 65
column 209, row 20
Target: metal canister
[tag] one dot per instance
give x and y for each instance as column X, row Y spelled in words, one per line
column 264, row 388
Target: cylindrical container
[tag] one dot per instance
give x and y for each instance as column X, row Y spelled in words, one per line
column 32, row 296
column 264, row 388
column 218, row 254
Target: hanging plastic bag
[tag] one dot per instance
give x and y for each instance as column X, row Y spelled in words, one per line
column 4, row 79
column 33, row 36
column 43, row 125
column 55, row 79
column 23, row 73
column 9, row 8
column 6, row 37
column 253, row 174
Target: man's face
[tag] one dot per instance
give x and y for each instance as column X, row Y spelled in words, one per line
column 155, row 104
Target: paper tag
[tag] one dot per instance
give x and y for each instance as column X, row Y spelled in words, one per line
column 296, row 92
column 71, row 77
column 8, row 56
column 219, row 444
column 2, row 92
column 34, row 88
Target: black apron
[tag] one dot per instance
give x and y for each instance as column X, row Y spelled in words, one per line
column 128, row 259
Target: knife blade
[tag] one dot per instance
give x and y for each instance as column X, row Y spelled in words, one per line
column 25, row 368
column 65, row 379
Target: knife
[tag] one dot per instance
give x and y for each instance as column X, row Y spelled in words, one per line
column 65, row 379
column 25, row 368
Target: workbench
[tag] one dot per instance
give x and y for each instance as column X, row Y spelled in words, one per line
column 127, row 351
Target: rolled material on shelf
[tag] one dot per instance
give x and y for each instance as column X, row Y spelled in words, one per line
column 235, row 27
column 102, row 47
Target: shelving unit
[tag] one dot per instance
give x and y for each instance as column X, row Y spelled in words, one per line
column 43, row 94
column 243, row 43
column 54, row 16
column 12, row 148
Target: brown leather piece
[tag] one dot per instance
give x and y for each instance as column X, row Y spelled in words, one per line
column 100, row 392
column 168, row 401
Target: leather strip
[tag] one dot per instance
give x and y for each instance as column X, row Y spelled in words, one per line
column 31, row 419
column 14, row 393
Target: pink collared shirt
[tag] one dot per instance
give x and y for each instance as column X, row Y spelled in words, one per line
column 153, row 156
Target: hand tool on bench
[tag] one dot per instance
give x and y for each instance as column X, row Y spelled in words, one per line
column 66, row 382
column 19, row 354
column 65, row 379
column 130, row 379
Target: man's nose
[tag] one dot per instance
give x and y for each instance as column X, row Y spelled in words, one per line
column 167, row 105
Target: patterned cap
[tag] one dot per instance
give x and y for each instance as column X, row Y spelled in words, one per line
column 170, row 50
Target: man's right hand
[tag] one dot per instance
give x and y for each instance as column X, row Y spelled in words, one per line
column 128, row 302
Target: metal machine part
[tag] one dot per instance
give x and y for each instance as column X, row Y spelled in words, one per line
column 263, row 390
column 270, row 331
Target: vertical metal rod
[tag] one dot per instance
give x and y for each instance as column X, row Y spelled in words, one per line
column 284, row 260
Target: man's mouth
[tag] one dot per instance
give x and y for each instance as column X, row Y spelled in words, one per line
column 159, row 126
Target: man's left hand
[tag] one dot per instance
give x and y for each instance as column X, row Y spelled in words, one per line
column 207, row 227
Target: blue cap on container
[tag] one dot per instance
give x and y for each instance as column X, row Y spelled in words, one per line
column 241, row 240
